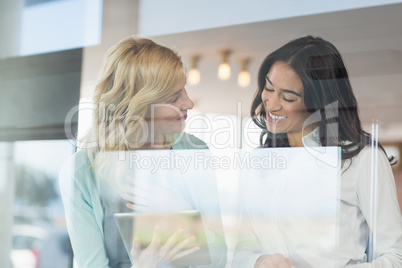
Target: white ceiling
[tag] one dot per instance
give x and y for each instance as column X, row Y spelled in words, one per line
column 370, row 40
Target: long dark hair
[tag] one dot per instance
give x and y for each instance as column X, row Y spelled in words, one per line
column 328, row 95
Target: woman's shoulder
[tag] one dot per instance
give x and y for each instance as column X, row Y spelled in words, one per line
column 369, row 159
column 78, row 166
column 81, row 160
column 185, row 140
column 372, row 153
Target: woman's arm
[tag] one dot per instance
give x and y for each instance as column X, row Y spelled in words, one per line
column 248, row 248
column 77, row 186
column 202, row 193
column 376, row 193
column 249, row 252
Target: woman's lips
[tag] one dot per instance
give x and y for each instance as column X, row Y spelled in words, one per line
column 275, row 119
column 184, row 117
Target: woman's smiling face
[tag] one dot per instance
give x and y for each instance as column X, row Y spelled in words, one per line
column 283, row 99
column 169, row 117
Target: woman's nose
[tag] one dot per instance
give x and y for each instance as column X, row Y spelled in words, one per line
column 187, row 103
column 272, row 103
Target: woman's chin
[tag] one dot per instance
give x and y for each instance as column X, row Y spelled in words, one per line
column 275, row 131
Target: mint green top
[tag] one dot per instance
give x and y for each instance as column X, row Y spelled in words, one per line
column 80, row 190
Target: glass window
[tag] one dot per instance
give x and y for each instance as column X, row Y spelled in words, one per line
column 39, row 235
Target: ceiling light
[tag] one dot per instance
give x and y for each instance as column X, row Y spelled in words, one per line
column 194, row 76
column 224, row 67
column 244, row 76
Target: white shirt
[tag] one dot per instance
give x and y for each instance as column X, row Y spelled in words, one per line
column 366, row 202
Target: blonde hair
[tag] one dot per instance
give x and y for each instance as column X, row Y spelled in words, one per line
column 136, row 73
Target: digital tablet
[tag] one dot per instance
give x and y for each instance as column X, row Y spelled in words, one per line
column 142, row 225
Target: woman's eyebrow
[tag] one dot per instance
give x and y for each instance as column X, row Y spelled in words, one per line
column 176, row 93
column 284, row 90
column 291, row 92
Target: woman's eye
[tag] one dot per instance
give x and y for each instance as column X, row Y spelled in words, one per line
column 174, row 100
column 288, row 100
column 283, row 97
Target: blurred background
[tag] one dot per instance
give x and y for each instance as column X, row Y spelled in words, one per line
column 51, row 52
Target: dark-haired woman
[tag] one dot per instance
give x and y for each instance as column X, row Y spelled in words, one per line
column 307, row 77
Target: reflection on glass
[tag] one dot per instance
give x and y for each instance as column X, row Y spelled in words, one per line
column 39, row 235
column 290, row 205
column 61, row 25
column 150, row 193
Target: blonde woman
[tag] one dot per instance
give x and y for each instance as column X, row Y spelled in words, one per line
column 140, row 103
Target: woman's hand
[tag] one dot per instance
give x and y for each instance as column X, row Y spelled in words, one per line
column 155, row 255
column 136, row 196
column 148, row 195
column 273, row 261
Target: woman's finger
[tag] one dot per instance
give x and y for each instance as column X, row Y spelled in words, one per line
column 130, row 206
column 134, row 200
column 185, row 242
column 135, row 248
column 164, row 250
column 276, row 260
column 156, row 237
column 173, row 238
column 289, row 262
column 127, row 197
column 171, row 253
column 284, row 265
column 184, row 253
